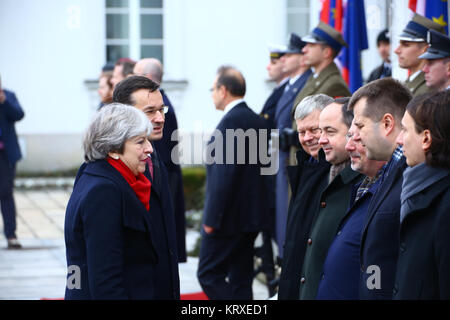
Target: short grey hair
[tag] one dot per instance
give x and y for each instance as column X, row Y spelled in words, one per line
column 311, row 103
column 111, row 127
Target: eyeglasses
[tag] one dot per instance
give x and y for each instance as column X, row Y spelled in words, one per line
column 152, row 111
column 348, row 136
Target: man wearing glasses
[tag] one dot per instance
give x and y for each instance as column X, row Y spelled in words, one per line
column 153, row 69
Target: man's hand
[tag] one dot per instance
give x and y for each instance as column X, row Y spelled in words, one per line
column 2, row 96
column 208, row 229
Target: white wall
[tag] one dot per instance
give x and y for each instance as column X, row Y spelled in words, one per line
column 49, row 48
column 201, row 35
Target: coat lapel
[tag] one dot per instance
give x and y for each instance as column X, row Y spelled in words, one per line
column 423, row 199
column 383, row 190
column 137, row 214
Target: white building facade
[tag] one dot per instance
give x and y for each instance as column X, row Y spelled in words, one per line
column 52, row 52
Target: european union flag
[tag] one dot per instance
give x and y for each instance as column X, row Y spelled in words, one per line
column 355, row 34
column 437, row 11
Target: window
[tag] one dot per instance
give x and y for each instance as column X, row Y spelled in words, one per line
column 298, row 16
column 134, row 29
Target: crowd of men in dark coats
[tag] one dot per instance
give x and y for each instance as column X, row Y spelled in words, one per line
column 341, row 234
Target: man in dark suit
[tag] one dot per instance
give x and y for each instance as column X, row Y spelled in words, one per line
column 378, row 109
column 152, row 69
column 294, row 65
column 139, row 92
column 384, row 50
column 10, row 112
column 236, row 200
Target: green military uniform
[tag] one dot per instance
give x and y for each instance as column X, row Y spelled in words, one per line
column 416, row 32
column 329, row 82
column 332, row 208
column 418, row 86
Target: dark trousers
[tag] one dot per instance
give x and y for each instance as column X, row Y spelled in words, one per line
column 225, row 269
column 7, row 206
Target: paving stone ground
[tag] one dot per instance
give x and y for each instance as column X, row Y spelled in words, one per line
column 39, row 269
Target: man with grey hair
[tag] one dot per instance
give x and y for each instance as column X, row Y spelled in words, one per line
column 153, row 69
column 307, row 180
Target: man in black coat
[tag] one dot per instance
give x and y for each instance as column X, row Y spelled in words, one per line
column 236, row 200
column 294, row 65
column 152, row 69
column 308, row 179
column 378, row 109
column 424, row 258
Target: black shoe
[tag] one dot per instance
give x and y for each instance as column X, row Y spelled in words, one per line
column 13, row 243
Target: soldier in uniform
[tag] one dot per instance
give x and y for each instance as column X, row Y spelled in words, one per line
column 437, row 57
column 412, row 44
column 323, row 44
column 280, row 77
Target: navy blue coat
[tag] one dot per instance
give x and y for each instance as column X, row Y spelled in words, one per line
column 164, row 148
column 114, row 240
column 10, row 112
column 236, row 197
column 380, row 235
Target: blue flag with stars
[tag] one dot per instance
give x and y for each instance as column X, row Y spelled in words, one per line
column 437, row 11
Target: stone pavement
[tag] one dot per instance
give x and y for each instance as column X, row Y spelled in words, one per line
column 39, row 269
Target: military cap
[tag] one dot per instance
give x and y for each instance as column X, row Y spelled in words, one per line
column 326, row 34
column 416, row 29
column 383, row 36
column 439, row 46
column 277, row 51
column 295, row 44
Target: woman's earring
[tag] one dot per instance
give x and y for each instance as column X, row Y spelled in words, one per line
column 115, row 157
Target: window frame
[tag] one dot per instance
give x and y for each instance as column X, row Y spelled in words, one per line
column 134, row 40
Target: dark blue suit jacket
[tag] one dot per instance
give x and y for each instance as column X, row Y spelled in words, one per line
column 111, row 237
column 236, row 197
column 283, row 117
column 270, row 107
column 10, row 112
column 164, row 148
column 380, row 235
